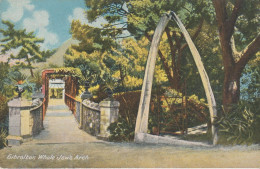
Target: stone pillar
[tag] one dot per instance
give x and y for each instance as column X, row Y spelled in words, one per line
column 17, row 108
column 108, row 114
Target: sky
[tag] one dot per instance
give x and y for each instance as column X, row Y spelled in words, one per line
column 49, row 19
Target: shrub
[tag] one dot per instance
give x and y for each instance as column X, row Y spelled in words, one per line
column 3, row 135
column 124, row 128
column 121, row 130
column 3, row 107
column 180, row 112
column 240, row 126
column 129, row 103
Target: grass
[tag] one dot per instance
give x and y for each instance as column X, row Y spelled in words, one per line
column 197, row 137
column 3, row 135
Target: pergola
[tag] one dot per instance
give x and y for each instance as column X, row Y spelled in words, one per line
column 69, row 75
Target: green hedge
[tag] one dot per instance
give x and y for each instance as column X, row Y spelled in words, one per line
column 3, row 107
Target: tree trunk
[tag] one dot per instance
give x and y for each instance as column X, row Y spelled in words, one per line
column 234, row 62
column 31, row 71
column 30, row 65
column 231, row 89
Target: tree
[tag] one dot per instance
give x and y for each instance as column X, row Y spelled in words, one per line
column 237, row 21
column 26, row 43
column 142, row 18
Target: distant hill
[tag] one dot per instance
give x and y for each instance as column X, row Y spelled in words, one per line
column 57, row 59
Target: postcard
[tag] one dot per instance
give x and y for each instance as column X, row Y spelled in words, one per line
column 129, row 84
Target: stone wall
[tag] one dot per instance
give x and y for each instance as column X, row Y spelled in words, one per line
column 36, row 120
column 25, row 120
column 95, row 118
column 77, row 111
column 91, row 117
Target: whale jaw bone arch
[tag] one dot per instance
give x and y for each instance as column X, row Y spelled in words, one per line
column 143, row 111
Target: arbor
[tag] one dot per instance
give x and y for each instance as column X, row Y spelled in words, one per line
column 237, row 21
column 26, row 43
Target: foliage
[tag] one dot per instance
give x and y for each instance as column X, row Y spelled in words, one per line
column 129, row 102
column 121, row 130
column 250, row 81
column 241, row 126
column 37, row 80
column 26, row 43
column 141, row 18
column 69, row 71
column 3, row 107
column 175, row 67
column 88, row 64
column 3, row 140
column 120, row 68
column 181, row 112
column 124, row 129
column 91, row 38
column 5, row 80
column 10, row 77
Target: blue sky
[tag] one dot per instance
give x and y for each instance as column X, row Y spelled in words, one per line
column 49, row 19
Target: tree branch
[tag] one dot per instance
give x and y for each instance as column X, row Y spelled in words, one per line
column 221, row 13
column 224, row 32
column 172, row 48
column 234, row 14
column 248, row 52
column 236, row 54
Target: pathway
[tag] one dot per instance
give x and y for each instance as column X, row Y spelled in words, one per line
column 60, row 126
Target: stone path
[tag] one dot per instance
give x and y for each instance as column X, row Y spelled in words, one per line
column 60, row 126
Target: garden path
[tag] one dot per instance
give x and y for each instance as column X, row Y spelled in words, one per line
column 60, row 126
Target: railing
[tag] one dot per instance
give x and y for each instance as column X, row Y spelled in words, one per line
column 71, row 103
column 44, row 108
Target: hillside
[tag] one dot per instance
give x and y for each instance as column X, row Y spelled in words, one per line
column 57, row 59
